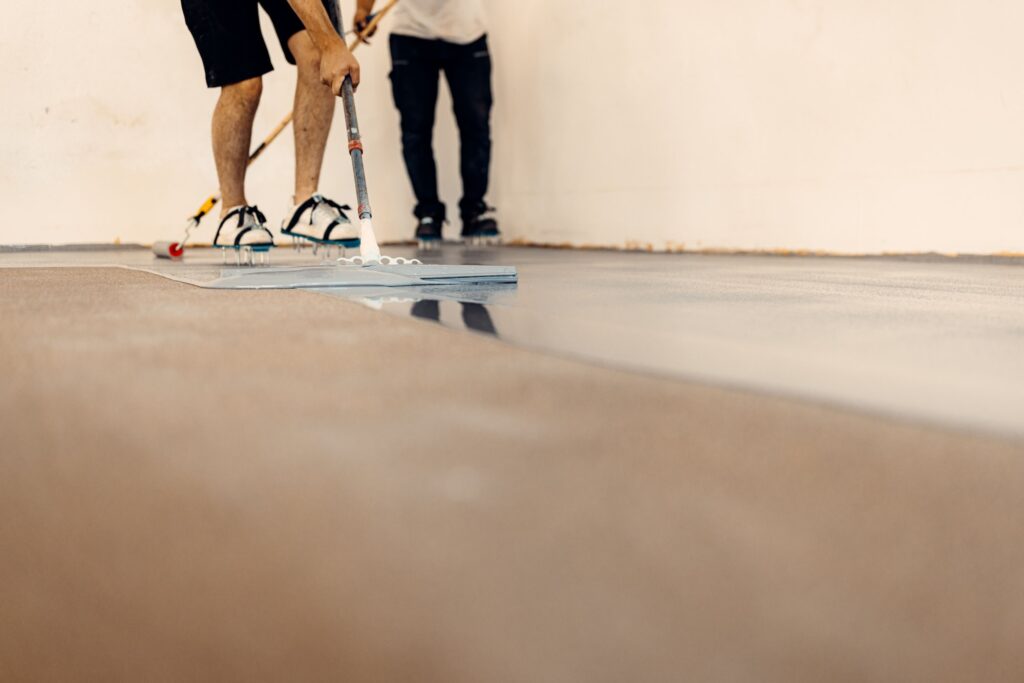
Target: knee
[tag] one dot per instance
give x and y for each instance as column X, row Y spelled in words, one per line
column 245, row 92
column 306, row 54
column 308, row 65
column 416, row 136
column 417, row 127
column 476, row 129
column 474, row 115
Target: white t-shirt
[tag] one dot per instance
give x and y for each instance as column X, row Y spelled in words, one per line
column 455, row 21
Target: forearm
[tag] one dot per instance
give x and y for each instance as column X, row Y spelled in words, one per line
column 317, row 22
column 365, row 5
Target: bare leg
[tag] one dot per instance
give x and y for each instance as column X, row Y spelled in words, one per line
column 314, row 111
column 232, row 135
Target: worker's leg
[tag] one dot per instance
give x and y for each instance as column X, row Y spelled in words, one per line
column 414, row 81
column 314, row 111
column 468, row 70
column 228, row 37
column 312, row 216
column 232, row 135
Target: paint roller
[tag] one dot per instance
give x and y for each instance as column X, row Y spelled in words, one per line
column 171, row 250
column 176, row 250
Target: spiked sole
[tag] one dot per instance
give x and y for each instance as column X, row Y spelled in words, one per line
column 249, row 251
column 323, row 247
column 482, row 240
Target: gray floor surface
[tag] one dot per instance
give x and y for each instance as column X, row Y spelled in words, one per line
column 934, row 340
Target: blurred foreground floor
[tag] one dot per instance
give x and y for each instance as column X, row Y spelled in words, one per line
column 239, row 486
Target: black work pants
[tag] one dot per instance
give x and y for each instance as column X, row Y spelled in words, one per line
column 415, row 76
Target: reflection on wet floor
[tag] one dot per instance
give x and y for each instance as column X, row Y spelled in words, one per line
column 935, row 340
column 474, row 315
column 931, row 340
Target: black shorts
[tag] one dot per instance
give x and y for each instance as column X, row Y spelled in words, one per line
column 227, row 33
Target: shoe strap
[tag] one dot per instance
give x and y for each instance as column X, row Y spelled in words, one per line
column 242, row 212
column 311, row 204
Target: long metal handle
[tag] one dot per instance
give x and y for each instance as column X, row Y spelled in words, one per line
column 355, row 148
column 368, row 248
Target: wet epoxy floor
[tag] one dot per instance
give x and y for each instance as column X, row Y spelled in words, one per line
column 938, row 341
column 935, row 340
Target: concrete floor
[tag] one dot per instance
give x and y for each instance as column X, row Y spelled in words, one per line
column 218, row 485
column 932, row 340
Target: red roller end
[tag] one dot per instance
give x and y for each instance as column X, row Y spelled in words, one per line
column 169, row 250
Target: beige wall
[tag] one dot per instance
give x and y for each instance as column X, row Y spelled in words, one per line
column 839, row 125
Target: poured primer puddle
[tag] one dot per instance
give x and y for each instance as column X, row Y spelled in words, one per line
column 406, row 275
column 289, row 270
column 335, row 275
